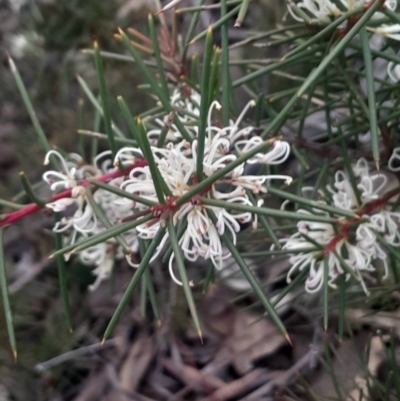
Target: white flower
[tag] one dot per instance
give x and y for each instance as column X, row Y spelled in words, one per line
column 17, row 4
column 393, row 71
column 177, row 165
column 388, row 31
column 95, row 255
column 139, row 182
column 215, row 155
column 66, row 179
column 323, row 233
column 343, row 195
column 25, row 43
column 233, row 131
column 127, row 156
column 278, row 154
column 176, row 169
column 370, row 187
column 103, row 258
column 322, row 10
column 114, row 207
column 360, row 244
column 103, row 162
column 387, row 223
column 394, row 164
column 368, row 242
column 83, row 220
column 200, row 238
column 326, row 10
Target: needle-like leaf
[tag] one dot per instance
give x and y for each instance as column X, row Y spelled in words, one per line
column 204, row 105
column 183, row 276
column 369, row 76
column 6, row 300
column 63, row 277
column 252, row 281
column 104, row 99
column 134, row 282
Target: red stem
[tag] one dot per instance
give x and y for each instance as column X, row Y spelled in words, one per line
column 330, row 247
column 32, row 208
column 353, row 20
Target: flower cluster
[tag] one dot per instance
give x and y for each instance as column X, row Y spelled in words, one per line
column 350, row 247
column 79, row 217
column 177, row 166
column 176, row 163
column 325, row 11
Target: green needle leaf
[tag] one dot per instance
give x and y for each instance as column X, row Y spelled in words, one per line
column 154, row 85
column 99, row 213
column 300, row 278
column 104, row 99
column 226, row 84
column 264, row 211
column 183, row 276
column 29, row 190
column 242, row 12
column 11, row 205
column 121, row 192
column 62, row 277
column 326, row 293
column 204, row 104
column 98, row 135
column 81, row 145
column 369, row 75
column 97, row 105
column 103, row 236
column 310, row 203
column 159, row 183
column 265, row 224
column 192, row 27
column 213, row 79
column 223, row 171
column 322, row 34
column 342, row 305
column 6, row 301
column 157, row 54
column 143, row 296
column 210, row 278
column 252, row 281
column 149, row 284
column 134, row 281
column 339, row 48
column 217, row 24
column 28, row 105
column 133, row 128
column 346, row 267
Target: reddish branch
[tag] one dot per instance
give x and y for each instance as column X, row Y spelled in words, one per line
column 345, row 228
column 353, row 20
column 171, row 206
column 33, row 208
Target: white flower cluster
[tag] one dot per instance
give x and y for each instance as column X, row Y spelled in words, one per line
column 354, row 242
column 325, row 11
column 177, row 166
column 176, row 163
column 82, row 220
